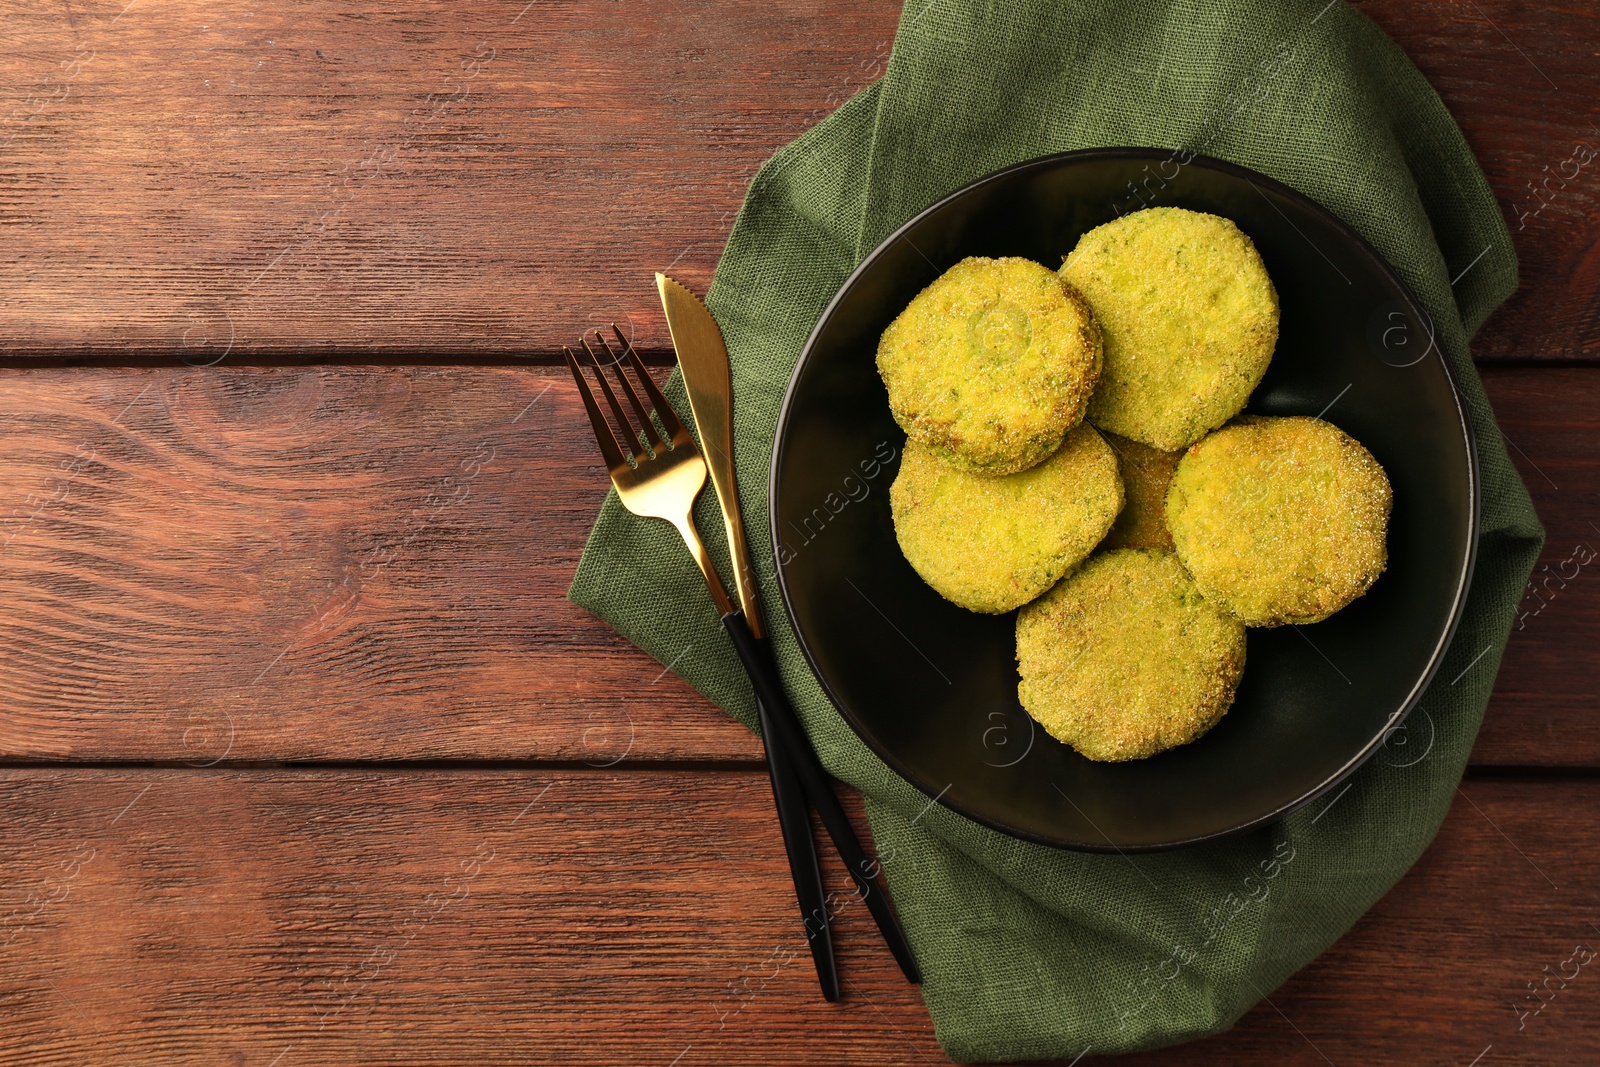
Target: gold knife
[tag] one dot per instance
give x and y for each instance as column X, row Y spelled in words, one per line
column 708, row 379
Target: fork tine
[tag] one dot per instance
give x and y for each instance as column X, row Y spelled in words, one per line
column 669, row 418
column 616, row 408
column 602, row 431
column 656, row 444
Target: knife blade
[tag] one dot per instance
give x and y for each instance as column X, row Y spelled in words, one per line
column 708, row 378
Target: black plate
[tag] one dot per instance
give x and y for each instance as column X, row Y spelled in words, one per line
column 931, row 688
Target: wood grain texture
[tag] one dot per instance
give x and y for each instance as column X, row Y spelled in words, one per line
column 1544, row 710
column 226, row 565
column 342, row 176
column 347, row 563
column 1520, row 80
column 302, row 563
column 213, row 917
column 348, row 180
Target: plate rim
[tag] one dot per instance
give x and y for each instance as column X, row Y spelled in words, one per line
column 1463, row 586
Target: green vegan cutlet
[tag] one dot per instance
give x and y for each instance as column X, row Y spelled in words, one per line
column 1280, row 520
column 1146, row 474
column 991, row 544
column 991, row 364
column 1189, row 320
column 1125, row 658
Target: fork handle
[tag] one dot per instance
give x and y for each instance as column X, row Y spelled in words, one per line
column 783, row 735
column 708, row 570
column 794, row 818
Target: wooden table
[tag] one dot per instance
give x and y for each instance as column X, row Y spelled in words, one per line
column 306, row 757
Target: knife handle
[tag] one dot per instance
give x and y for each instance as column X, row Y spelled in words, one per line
column 794, row 817
column 782, row 732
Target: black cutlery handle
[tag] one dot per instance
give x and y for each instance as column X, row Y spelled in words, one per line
column 863, row 870
column 794, row 817
column 786, row 735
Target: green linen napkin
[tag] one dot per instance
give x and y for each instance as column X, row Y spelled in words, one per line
column 1032, row 952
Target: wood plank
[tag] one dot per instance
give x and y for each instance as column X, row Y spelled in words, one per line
column 358, row 178
column 305, row 563
column 417, row 918
column 1519, row 79
column 1544, row 706
column 348, row 563
column 271, row 917
column 229, row 178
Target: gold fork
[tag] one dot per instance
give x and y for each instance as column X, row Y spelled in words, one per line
column 664, row 476
column 658, row 474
